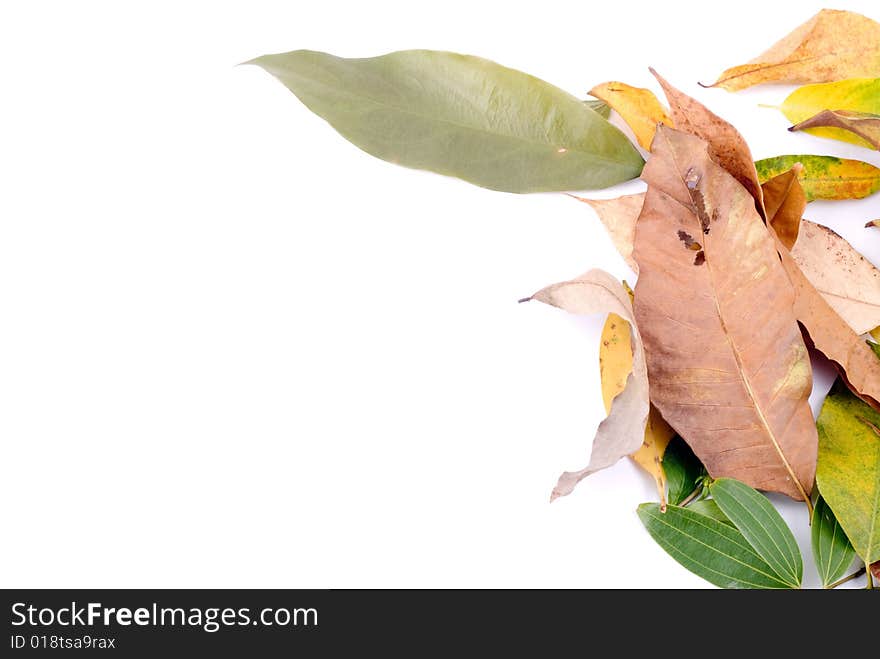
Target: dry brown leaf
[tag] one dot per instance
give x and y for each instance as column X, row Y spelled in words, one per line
column 728, row 368
column 865, row 126
column 846, row 279
column 638, row 107
column 833, row 45
column 619, row 215
column 872, row 223
column 623, row 430
column 784, row 202
column 727, row 147
column 832, row 336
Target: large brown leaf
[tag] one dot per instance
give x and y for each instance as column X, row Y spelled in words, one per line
column 727, row 147
column 828, row 332
column 727, row 365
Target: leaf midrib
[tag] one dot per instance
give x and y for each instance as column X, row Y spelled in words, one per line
column 532, row 143
column 736, row 354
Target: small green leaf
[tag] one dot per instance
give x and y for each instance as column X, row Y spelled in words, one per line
column 825, row 177
column 599, row 107
column 710, row 549
column 709, row 508
column 848, row 470
column 762, row 526
column 832, row 551
column 462, row 116
column 683, row 470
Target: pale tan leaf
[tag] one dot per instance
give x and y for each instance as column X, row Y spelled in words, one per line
column 622, row 431
column 728, row 368
column 619, row 215
column 846, row 279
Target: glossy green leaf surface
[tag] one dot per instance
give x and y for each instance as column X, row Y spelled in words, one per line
column 709, row 508
column 463, row 116
column 713, row 550
column 762, row 526
column 682, row 468
column 832, row 551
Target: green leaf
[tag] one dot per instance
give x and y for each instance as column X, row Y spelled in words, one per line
column 710, row 549
column 762, row 526
column 832, row 551
column 599, row 107
column 825, row 177
column 709, row 508
column 848, row 470
column 683, row 470
column 463, row 116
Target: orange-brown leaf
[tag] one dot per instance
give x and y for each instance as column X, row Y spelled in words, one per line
column 727, row 147
column 728, row 367
column 833, row 45
column 785, row 201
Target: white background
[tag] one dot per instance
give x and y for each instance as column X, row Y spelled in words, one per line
column 237, row 351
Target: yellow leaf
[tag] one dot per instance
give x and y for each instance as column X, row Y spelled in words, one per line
column 825, row 177
column 638, row 107
column 856, row 95
column 615, row 364
column 832, row 45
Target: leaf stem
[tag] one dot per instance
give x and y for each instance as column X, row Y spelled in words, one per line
column 693, row 495
column 867, row 570
column 855, row 574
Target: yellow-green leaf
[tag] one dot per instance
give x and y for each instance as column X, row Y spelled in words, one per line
column 832, row 45
column 848, row 471
column 825, row 177
column 638, row 107
column 853, row 95
column 615, row 365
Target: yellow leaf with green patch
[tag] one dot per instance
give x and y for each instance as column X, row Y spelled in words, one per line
column 854, row 95
column 848, row 471
column 615, row 364
column 638, row 107
column 825, row 177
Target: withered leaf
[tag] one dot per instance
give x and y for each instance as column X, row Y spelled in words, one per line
column 862, row 124
column 619, row 215
column 832, row 45
column 784, row 202
column 832, row 336
column 728, row 368
column 615, row 364
column 727, row 147
column 846, row 279
column 621, row 433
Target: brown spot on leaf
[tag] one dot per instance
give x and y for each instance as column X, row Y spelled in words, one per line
column 700, row 258
column 689, row 241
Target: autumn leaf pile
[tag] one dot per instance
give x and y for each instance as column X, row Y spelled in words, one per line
column 705, row 364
